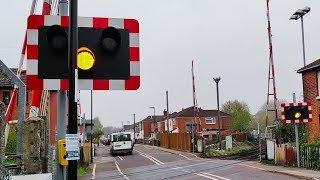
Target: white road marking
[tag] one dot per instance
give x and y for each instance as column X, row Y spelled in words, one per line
column 251, row 167
column 202, row 175
column 177, row 168
column 216, row 176
column 194, row 155
column 316, row 179
column 184, row 156
column 150, row 159
column 94, row 171
column 138, row 151
column 120, row 158
column 126, row 177
column 154, row 159
column 158, row 162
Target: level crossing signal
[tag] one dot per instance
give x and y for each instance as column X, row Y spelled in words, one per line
column 108, row 54
column 296, row 113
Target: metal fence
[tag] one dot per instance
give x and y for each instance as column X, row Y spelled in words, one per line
column 310, row 157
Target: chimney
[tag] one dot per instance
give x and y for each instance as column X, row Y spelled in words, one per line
column 164, row 113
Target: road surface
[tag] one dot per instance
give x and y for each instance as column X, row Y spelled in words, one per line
column 148, row 163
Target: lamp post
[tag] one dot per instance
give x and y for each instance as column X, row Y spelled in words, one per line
column 154, row 123
column 299, row 15
column 218, row 104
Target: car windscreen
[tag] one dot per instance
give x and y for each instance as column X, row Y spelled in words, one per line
column 121, row 137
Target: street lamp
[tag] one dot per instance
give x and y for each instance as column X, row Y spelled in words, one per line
column 299, row 15
column 154, row 123
column 218, row 104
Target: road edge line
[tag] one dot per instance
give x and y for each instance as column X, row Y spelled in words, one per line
column 94, row 171
column 118, row 168
column 185, row 156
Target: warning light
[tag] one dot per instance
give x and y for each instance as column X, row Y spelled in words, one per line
column 85, row 58
column 297, row 115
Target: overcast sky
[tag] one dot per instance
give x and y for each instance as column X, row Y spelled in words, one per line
column 226, row 38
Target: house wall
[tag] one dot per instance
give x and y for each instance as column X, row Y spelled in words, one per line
column 310, row 92
column 147, row 129
column 180, row 122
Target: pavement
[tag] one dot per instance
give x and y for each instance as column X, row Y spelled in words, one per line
column 149, row 162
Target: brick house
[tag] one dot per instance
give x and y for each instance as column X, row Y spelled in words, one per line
column 6, row 90
column 311, row 93
column 181, row 122
column 146, row 126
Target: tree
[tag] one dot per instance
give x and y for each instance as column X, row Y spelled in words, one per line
column 241, row 120
column 231, row 107
column 110, row 129
column 260, row 116
column 98, row 128
column 240, row 113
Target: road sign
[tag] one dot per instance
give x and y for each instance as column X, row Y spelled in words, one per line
column 296, row 112
column 108, row 55
column 72, row 147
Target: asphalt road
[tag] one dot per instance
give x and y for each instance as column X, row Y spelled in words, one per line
column 148, row 163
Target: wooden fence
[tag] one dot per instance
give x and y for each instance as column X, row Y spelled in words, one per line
column 178, row 141
column 285, row 155
column 310, row 157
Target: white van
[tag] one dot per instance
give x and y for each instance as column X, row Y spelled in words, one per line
column 121, row 142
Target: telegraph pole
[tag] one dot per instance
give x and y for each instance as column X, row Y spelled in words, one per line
column 134, row 127
column 168, row 119
column 73, row 71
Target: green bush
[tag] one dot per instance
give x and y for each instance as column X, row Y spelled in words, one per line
column 237, row 148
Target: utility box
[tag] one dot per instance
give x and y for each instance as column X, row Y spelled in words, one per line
column 33, row 145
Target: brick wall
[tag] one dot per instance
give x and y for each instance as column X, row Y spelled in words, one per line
column 147, row 129
column 310, row 92
column 226, row 123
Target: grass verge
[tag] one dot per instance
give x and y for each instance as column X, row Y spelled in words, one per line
column 82, row 171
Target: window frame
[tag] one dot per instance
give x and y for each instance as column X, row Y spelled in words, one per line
column 213, row 119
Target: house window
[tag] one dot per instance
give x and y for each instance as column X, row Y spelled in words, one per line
column 210, row 120
column 174, row 122
column 6, row 97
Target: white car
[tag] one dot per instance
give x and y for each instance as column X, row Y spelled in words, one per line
column 121, row 142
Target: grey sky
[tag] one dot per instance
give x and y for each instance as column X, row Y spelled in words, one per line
column 224, row 38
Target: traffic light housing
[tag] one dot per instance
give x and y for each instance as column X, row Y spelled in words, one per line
column 109, row 47
column 296, row 112
column 62, row 152
column 108, row 53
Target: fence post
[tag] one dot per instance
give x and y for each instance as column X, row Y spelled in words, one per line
column 2, row 138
